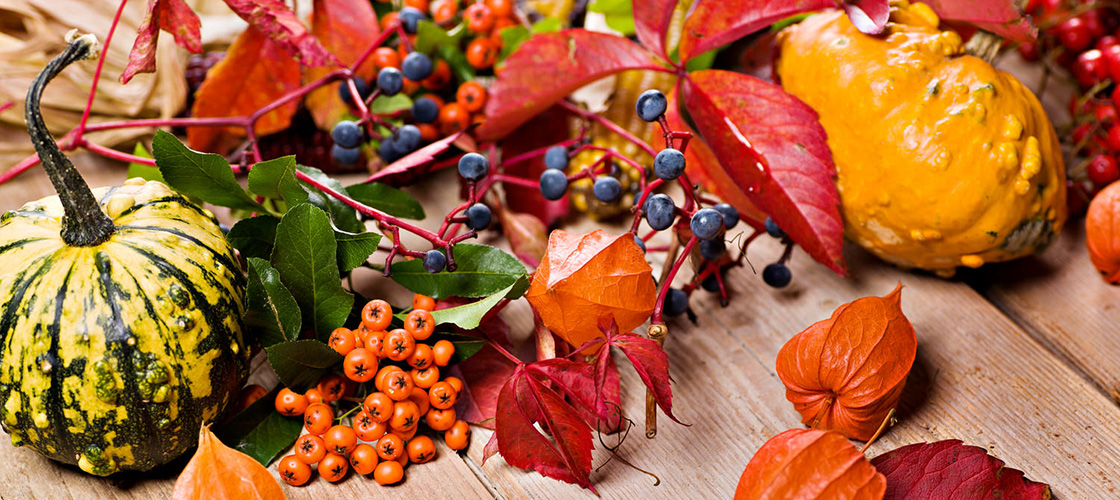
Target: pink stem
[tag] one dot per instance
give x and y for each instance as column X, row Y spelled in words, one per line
column 116, row 155
column 97, row 72
column 505, row 353
column 516, row 181
column 612, row 126
column 537, row 152
column 225, row 121
column 19, row 168
column 664, row 288
column 4, row 107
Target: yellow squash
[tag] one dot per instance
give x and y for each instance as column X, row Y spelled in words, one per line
column 942, row 160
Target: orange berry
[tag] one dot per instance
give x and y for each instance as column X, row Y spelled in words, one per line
column 360, row 365
column 405, row 435
column 388, row 472
column 425, row 378
column 500, row 8
column 379, row 406
column 420, row 324
column 340, row 439
column 472, row 95
column 479, row 18
column 333, row 467
column 420, row 397
column 458, row 436
column 453, row 117
column 377, row 314
column 310, row 449
column 421, row 5
column 363, row 459
column 389, row 447
column 318, row 418
column 428, row 132
column 382, row 375
column 442, row 352
column 293, row 471
column 313, row 395
column 444, row 11
column 289, row 403
column 423, row 301
column 482, row 53
column 421, row 357
column 375, row 342
column 399, row 344
column 367, row 428
column 398, row 386
column 440, row 77
column 442, row 395
column 440, row 420
column 331, row 386
column 421, row 449
column 406, row 415
column 390, row 21
column 341, row 340
column 456, row 384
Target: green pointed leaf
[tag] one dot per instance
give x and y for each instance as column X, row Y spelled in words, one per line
column 146, row 172
column 253, row 237
column 547, row 25
column 483, row 270
column 470, row 315
column 259, row 431
column 271, row 307
column 385, row 105
column 429, row 36
column 343, row 216
column 618, row 14
column 276, row 178
column 462, row 69
column 305, row 256
column 301, row 363
column 512, row 38
column 204, row 175
column 387, row 199
column 355, row 248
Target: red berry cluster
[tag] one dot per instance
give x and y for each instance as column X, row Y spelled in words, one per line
column 1084, row 37
column 381, row 435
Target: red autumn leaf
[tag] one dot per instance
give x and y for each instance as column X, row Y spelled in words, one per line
column 846, row 373
column 523, row 401
column 608, row 383
column 417, row 163
column 809, row 465
column 255, row 72
column 548, row 128
column 715, row 23
column 868, row 16
column 346, row 28
column 704, row 168
column 578, row 381
column 172, row 16
column 591, row 278
column 651, row 22
column 773, row 147
column 483, row 375
column 277, row 21
column 528, row 236
column 1001, row 17
column 651, row 363
column 950, row 469
column 548, row 67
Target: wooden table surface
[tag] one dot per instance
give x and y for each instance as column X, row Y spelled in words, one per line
column 1019, row 358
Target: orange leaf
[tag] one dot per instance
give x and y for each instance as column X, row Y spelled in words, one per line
column 808, row 464
column 218, row 472
column 255, row 72
column 346, row 28
column 846, row 373
column 585, row 280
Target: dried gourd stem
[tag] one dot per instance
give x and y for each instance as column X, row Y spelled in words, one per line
column 83, row 223
column 887, row 422
column 983, row 45
column 822, row 412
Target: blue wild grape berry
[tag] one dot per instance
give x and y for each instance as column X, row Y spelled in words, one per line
column 478, row 217
column 434, row 261
column 651, row 105
column 347, row 134
column 729, row 213
column 676, row 302
column 777, row 275
column 556, row 157
column 473, row 167
column 607, row 189
column 416, row 66
column 345, row 156
column 668, row 164
column 554, row 183
column 390, row 81
column 660, row 211
column 425, row 110
column 706, row 223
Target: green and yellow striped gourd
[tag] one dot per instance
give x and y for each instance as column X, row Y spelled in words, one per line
column 120, row 315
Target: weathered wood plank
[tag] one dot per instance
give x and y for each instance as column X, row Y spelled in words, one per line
column 978, row 378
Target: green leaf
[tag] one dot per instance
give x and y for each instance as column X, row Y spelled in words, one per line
column 146, row 172
column 301, row 363
column 462, row 69
column 259, row 431
column 253, row 237
column 343, row 216
column 205, row 175
column 702, row 61
column 429, row 36
column 305, row 256
column 387, row 199
column 512, row 38
column 469, row 316
column 386, row 105
column 465, row 345
column 355, row 248
column 271, row 307
column 483, row 270
column 547, row 25
column 276, row 178
column 617, row 13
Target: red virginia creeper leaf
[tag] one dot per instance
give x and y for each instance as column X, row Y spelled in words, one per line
column 774, row 148
column 608, row 383
column 172, row 16
column 415, row 164
column 346, row 28
column 1002, row 17
column 490, row 449
column 548, row 128
column 950, row 469
column 528, row 236
column 484, row 373
column 704, row 168
column 548, row 67
column 868, row 16
column 577, row 380
column 277, row 21
column 810, row 465
column 255, row 72
column 651, row 22
column 714, row 23
column 568, row 457
column 652, row 365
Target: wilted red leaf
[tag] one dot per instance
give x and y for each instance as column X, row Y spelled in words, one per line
column 808, row 464
column 277, row 21
column 577, row 380
column 868, row 16
column 774, row 148
column 1002, row 17
column 548, row 128
column 407, row 169
column 591, row 278
column 254, row 73
column 651, row 22
column 949, row 469
column 652, row 365
column 714, row 23
column 704, row 168
column 548, row 67
column 172, row 16
column 525, row 400
column 346, row 28
column 528, row 236
column 218, row 472
column 846, row 373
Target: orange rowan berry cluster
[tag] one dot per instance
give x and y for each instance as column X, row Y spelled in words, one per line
column 381, row 436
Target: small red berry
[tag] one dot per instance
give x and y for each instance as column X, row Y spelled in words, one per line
column 1114, row 138
column 1103, row 170
column 1074, row 34
column 1090, row 68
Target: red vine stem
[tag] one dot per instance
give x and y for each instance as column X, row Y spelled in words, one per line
column 665, row 284
column 97, row 73
column 612, row 126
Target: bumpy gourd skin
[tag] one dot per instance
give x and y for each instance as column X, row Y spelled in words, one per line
column 114, row 355
column 942, row 160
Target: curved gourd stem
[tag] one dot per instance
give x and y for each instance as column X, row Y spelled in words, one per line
column 83, row 223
